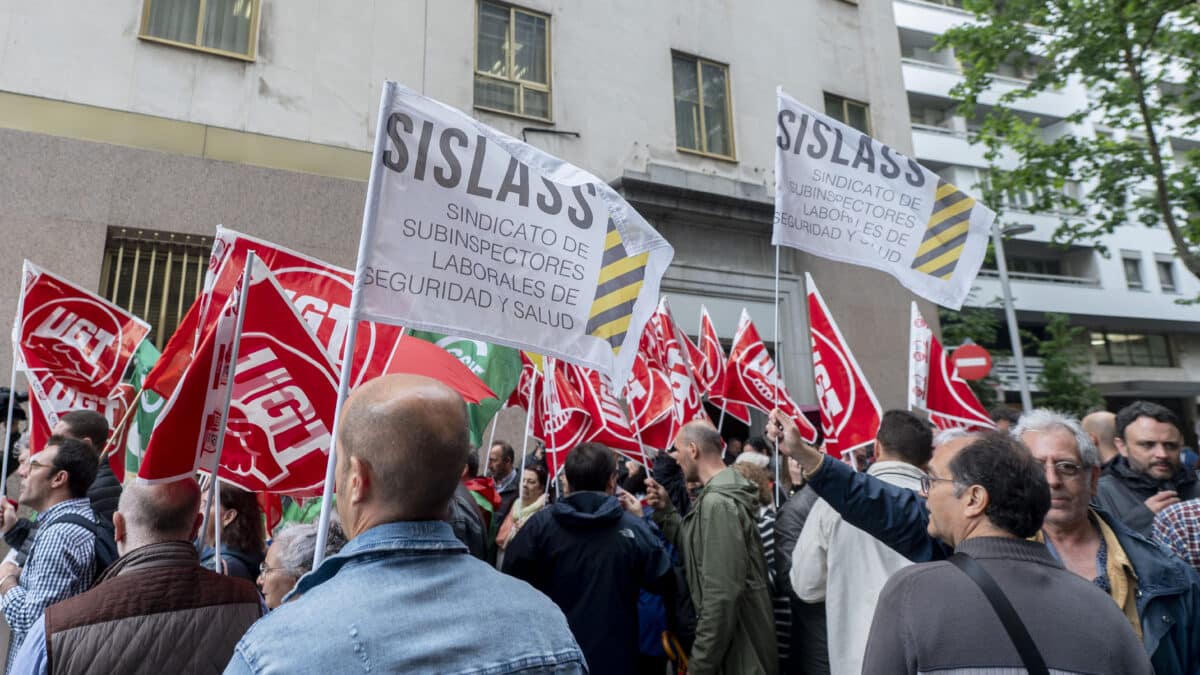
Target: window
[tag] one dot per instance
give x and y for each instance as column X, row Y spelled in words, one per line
column 512, row 61
column 155, row 275
column 226, row 27
column 1166, row 275
column 1131, row 349
column 1133, row 271
column 848, row 111
column 703, row 117
column 1036, row 266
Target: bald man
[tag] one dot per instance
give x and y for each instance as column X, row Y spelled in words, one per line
column 723, row 554
column 1101, row 426
column 392, row 600
column 153, row 610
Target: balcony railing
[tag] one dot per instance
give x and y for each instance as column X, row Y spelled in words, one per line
column 1005, row 370
column 1059, row 279
column 943, row 131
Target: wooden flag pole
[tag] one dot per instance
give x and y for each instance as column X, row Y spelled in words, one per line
column 374, row 184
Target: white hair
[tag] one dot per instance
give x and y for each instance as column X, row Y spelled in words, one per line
column 947, row 435
column 1043, row 420
column 761, row 461
column 297, row 542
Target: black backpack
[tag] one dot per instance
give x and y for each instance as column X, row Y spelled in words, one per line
column 106, row 541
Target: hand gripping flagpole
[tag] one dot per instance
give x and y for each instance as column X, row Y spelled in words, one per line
column 778, row 365
column 368, row 226
column 214, row 488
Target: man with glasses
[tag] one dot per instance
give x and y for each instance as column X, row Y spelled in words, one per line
column 723, row 556
column 61, row 562
column 987, row 500
column 154, row 610
column 843, row 567
column 1158, row 593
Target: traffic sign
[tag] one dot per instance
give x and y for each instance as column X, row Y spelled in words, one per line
column 972, row 362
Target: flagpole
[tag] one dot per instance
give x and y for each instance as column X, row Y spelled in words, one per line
column 12, row 399
column 374, row 185
column 778, row 364
column 215, row 490
column 524, row 448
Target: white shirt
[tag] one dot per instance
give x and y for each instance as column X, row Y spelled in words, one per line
column 846, row 568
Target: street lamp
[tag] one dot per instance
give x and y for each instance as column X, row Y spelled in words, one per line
column 1014, row 334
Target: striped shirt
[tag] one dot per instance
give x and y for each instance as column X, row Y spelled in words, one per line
column 62, row 563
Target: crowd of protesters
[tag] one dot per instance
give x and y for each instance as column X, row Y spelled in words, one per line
column 1048, row 545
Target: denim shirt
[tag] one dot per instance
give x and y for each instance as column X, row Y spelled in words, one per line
column 407, row 597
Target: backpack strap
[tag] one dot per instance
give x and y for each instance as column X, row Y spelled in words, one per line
column 76, row 519
column 1028, row 651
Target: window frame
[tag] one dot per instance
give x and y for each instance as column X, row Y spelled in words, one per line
column 547, row 89
column 1159, row 264
column 153, row 248
column 1127, row 257
column 1112, row 346
column 700, row 61
column 251, row 54
column 845, row 114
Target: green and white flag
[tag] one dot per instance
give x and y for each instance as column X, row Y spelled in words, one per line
column 149, row 404
column 498, row 367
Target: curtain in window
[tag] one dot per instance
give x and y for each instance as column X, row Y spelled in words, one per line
column 174, row 20
column 227, row 25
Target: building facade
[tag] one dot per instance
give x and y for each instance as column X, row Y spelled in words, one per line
column 1142, row 343
column 130, row 129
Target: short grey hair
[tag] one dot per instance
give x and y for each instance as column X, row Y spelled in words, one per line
column 1044, row 420
column 297, row 543
column 947, row 435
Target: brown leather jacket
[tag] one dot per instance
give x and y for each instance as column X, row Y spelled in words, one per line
column 155, row 610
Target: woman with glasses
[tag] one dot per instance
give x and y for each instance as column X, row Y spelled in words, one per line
column 290, row 557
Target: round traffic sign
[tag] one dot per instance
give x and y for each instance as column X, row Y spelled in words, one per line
column 972, row 362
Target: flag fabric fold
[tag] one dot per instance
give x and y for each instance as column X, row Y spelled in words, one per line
column 752, row 379
column 934, row 384
column 850, row 413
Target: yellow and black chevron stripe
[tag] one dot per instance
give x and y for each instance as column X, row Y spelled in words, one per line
column 621, row 279
column 946, row 233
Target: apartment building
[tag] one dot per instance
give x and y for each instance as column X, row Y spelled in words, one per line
column 1141, row 342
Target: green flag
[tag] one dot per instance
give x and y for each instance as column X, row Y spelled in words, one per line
column 498, row 367
column 149, row 404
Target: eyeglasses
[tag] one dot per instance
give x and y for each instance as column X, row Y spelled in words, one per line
column 1066, row 469
column 33, row 463
column 263, row 569
column 927, row 482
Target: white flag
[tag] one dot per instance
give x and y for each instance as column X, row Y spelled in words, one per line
column 843, row 195
column 474, row 233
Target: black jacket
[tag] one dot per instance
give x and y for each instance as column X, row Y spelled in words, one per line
column 1123, row 492
column 105, row 491
column 463, row 516
column 592, row 559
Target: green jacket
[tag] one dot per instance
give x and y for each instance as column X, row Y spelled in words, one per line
column 727, row 577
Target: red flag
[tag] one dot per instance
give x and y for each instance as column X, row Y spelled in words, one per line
column 418, row 357
column 850, row 412
column 80, row 339
column 565, row 422
column 320, row 292
column 751, row 378
column 50, row 398
column 278, row 434
column 526, row 385
column 672, row 358
column 610, row 425
column 934, row 384
column 710, row 369
column 648, row 392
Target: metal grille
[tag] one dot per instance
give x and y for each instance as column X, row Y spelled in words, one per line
column 155, row 275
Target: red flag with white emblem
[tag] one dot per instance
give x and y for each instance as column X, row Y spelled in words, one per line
column 751, row 378
column 320, row 292
column 565, row 421
column 610, row 425
column 934, row 384
column 850, row 413
column 648, row 393
column 279, row 429
column 666, row 351
column 710, row 369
